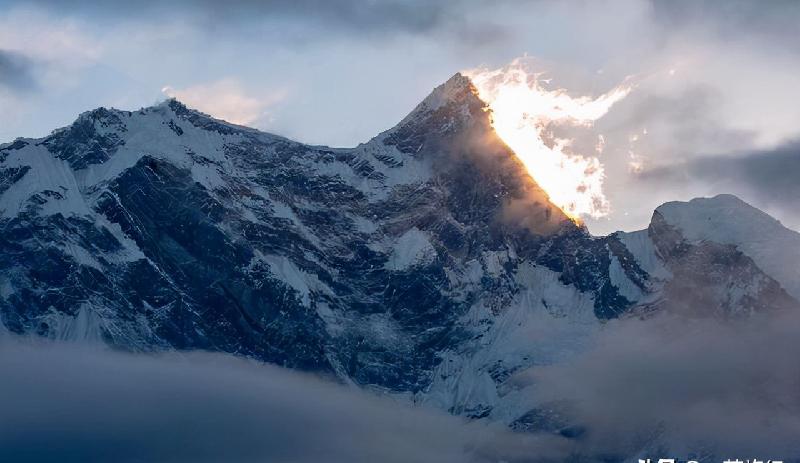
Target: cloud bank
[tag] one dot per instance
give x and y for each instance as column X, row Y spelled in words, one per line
column 67, row 403
column 662, row 387
column 672, row 387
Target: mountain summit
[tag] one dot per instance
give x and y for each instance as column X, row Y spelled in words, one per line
column 416, row 263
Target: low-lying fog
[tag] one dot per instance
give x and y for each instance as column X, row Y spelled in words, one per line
column 666, row 384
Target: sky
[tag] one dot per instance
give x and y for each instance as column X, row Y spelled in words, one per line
column 713, row 110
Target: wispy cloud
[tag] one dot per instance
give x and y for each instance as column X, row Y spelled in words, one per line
column 42, row 36
column 227, row 99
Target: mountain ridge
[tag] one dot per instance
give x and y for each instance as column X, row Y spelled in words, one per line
column 416, row 263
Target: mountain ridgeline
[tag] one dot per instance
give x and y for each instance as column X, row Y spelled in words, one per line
column 416, row 263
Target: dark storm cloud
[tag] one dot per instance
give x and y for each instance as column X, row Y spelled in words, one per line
column 70, row 404
column 16, row 71
column 772, row 20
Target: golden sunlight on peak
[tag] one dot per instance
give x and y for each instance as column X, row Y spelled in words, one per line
column 524, row 114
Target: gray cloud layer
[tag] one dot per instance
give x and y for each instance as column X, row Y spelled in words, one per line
column 674, row 387
column 68, row 404
column 662, row 387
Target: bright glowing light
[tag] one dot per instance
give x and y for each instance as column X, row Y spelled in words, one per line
column 524, row 115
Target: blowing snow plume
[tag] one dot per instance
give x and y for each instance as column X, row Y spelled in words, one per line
column 524, row 114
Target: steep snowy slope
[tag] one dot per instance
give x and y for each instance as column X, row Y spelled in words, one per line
column 717, row 256
column 166, row 228
column 725, row 219
column 425, row 262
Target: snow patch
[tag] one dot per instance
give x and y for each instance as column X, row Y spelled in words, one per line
column 547, row 322
column 47, row 174
column 304, row 283
column 644, row 251
column 411, row 249
column 620, row 280
column 494, row 261
column 80, row 255
column 85, row 327
column 363, row 225
column 130, row 251
column 6, row 289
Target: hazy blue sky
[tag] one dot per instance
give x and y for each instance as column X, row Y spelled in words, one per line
column 717, row 80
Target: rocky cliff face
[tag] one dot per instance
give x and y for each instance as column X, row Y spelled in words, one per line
column 425, row 262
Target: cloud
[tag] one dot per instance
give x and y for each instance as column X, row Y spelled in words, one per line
column 768, row 178
column 659, row 387
column 67, row 403
column 772, row 21
column 711, row 102
column 42, row 53
column 16, row 72
column 669, row 387
column 48, row 39
column 349, row 17
column 227, row 99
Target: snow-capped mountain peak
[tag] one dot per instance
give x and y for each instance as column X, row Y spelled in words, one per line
column 726, row 219
column 422, row 262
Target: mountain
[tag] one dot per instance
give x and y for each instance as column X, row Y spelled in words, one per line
column 425, row 263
